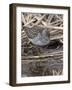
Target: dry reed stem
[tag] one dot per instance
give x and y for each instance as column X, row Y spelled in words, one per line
column 50, row 18
column 50, row 55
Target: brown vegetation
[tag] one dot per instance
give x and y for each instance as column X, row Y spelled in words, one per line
column 39, row 61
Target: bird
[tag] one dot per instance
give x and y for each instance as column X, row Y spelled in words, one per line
column 37, row 35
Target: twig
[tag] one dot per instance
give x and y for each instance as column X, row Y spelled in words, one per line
column 59, row 17
column 39, row 20
column 50, row 18
column 29, row 22
column 23, row 19
column 56, row 37
column 56, row 22
column 54, row 54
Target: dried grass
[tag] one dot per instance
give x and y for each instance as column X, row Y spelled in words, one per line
column 54, row 23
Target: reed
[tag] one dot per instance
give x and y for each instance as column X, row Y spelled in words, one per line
column 50, row 61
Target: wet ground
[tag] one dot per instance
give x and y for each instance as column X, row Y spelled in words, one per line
column 42, row 61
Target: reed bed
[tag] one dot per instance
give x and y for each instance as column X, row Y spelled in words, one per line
column 42, row 61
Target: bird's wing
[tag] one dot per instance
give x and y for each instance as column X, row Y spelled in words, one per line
column 31, row 32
